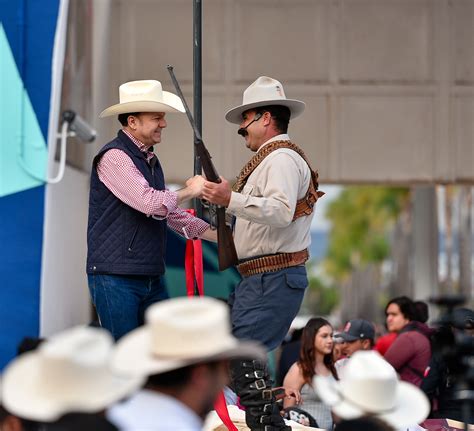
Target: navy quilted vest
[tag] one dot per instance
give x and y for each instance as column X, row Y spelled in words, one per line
column 120, row 239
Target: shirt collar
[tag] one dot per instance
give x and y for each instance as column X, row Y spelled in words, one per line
column 282, row 137
column 141, row 146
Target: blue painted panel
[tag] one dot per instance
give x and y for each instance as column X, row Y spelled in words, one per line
column 30, row 27
column 28, row 31
column 20, row 270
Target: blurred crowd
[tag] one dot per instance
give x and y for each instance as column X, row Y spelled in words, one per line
column 173, row 372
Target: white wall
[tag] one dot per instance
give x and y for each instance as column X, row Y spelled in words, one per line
column 389, row 84
column 64, row 294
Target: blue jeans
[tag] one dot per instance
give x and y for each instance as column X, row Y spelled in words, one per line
column 264, row 305
column 121, row 300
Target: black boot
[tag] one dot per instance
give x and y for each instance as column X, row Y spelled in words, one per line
column 254, row 387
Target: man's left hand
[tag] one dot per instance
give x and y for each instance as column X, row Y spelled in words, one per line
column 217, row 193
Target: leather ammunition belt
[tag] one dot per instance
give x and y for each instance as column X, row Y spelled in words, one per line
column 304, row 206
column 272, row 263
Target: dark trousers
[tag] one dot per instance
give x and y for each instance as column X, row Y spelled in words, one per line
column 264, row 305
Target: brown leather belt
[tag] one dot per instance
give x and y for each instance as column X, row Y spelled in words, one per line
column 271, row 263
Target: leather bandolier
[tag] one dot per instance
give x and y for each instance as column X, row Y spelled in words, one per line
column 304, row 206
column 252, row 384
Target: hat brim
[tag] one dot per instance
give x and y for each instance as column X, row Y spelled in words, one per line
column 296, row 107
column 411, row 405
column 134, row 357
column 27, row 394
column 170, row 103
column 347, row 337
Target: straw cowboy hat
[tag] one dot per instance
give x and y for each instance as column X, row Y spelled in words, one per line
column 370, row 386
column 67, row 373
column 263, row 92
column 144, row 96
column 181, row 332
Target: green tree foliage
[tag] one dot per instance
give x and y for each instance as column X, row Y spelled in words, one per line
column 320, row 298
column 361, row 219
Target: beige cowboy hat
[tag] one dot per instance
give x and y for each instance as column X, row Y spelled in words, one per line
column 144, row 96
column 264, row 91
column 180, row 332
column 370, row 386
column 67, row 373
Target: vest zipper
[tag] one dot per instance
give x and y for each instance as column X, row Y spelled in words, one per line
column 133, row 239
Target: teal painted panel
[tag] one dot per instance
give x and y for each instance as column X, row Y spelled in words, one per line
column 23, row 150
column 216, row 284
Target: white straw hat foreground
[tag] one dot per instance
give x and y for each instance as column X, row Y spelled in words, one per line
column 264, row 91
column 68, row 373
column 370, row 386
column 180, row 332
column 144, row 96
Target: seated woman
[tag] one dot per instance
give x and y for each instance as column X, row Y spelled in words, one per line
column 315, row 359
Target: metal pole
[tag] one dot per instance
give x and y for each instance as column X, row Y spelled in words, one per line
column 197, row 87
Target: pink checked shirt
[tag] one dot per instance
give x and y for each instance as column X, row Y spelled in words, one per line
column 120, row 175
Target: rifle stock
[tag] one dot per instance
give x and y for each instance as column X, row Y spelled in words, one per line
column 225, row 242
column 227, row 255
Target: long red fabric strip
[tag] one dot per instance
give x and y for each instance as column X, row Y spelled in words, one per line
column 220, row 406
column 193, row 267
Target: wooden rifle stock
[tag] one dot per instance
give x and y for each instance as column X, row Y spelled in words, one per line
column 225, row 241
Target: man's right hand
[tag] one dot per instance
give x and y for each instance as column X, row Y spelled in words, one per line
column 193, row 189
column 196, row 185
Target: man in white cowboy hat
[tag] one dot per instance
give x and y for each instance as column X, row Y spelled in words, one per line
column 273, row 203
column 184, row 349
column 370, row 387
column 67, row 374
column 130, row 210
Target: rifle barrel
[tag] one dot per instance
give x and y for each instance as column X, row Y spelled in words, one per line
column 186, row 107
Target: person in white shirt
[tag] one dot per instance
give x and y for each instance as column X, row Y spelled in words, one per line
column 184, row 349
column 66, row 383
column 371, row 387
column 272, row 202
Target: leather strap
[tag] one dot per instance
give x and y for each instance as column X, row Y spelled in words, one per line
column 272, row 263
column 304, row 206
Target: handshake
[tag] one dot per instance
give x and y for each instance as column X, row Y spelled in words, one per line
column 218, row 194
column 215, row 193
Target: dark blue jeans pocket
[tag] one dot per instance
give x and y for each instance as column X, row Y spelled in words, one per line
column 296, row 281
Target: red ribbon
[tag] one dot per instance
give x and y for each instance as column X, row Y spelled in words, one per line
column 220, row 406
column 193, row 267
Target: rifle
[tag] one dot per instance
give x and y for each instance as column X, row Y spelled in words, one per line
column 225, row 241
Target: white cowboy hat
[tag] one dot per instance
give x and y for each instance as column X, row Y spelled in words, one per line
column 67, row 373
column 180, row 332
column 370, row 385
column 263, row 92
column 144, row 96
